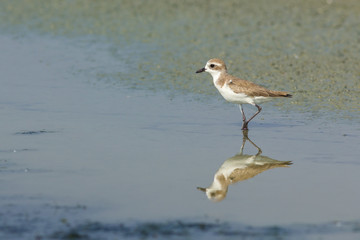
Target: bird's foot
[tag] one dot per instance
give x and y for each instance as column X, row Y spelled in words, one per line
column 244, row 127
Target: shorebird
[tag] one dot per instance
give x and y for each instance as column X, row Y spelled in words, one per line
column 238, row 91
column 239, row 168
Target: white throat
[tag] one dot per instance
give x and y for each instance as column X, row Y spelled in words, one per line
column 215, row 75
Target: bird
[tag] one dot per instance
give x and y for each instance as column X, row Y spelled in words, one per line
column 239, row 91
column 239, row 168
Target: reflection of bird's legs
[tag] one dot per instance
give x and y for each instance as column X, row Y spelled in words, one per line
column 243, row 142
column 245, row 137
column 244, row 125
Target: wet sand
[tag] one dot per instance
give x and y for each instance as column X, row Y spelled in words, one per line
column 286, row 44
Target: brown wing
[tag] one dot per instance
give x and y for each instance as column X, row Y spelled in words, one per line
column 251, row 89
column 253, row 170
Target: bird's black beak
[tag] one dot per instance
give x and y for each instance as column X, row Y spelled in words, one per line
column 200, row 70
column 201, row 189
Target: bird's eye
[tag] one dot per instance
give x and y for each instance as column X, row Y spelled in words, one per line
column 212, row 65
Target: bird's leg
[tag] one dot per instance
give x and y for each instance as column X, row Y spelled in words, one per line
column 242, row 112
column 259, row 110
column 244, row 125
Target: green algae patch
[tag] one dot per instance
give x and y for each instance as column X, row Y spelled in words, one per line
column 308, row 48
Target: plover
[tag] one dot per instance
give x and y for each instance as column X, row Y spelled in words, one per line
column 239, row 168
column 238, row 91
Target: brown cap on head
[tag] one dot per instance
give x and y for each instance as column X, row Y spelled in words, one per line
column 217, row 61
column 215, row 64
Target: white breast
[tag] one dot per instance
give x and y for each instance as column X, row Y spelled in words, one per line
column 231, row 96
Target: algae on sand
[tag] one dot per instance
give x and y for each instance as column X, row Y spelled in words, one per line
column 309, row 48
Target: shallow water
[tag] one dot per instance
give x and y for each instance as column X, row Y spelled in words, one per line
column 91, row 148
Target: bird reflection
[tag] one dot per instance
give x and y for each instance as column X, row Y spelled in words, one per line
column 239, row 168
